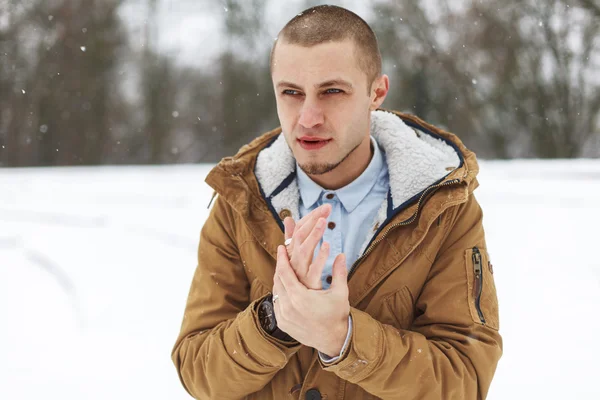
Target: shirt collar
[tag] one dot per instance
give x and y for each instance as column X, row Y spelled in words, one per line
column 350, row 195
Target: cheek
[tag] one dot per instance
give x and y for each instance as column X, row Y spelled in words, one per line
column 287, row 113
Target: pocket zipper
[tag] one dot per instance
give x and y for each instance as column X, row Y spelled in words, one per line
column 478, row 287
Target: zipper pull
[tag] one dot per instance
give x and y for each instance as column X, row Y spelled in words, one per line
column 478, row 287
column 477, row 262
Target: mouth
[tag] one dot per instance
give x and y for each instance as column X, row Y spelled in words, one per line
column 312, row 143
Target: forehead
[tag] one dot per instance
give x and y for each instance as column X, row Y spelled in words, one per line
column 300, row 64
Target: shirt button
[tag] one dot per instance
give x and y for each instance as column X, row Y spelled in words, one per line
column 329, row 279
column 330, row 196
column 331, row 225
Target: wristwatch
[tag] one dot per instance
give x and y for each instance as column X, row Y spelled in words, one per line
column 266, row 316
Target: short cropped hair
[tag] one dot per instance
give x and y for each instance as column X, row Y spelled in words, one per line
column 326, row 23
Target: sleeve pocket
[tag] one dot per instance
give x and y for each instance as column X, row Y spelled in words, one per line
column 483, row 300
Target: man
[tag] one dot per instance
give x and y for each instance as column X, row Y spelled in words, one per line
column 384, row 288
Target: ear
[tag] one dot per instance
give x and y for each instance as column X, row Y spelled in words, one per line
column 379, row 90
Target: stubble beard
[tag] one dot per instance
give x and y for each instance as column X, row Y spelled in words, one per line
column 323, row 168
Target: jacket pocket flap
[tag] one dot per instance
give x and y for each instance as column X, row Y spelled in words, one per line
column 397, row 309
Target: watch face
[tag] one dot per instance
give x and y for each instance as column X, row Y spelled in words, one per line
column 266, row 316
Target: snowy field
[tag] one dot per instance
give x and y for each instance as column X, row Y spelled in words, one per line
column 95, row 266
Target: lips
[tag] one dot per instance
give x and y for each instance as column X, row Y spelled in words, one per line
column 312, row 143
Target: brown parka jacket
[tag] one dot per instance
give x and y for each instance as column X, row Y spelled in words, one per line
column 422, row 294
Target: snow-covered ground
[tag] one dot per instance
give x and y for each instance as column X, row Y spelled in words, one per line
column 95, row 265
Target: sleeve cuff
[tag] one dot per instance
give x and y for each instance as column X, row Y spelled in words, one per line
column 364, row 349
column 329, row 360
column 268, row 350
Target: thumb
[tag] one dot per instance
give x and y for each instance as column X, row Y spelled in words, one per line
column 340, row 272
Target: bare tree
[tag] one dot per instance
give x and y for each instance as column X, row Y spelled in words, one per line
column 58, row 112
column 512, row 81
column 516, row 80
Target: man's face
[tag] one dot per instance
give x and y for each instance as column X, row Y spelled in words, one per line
column 322, row 102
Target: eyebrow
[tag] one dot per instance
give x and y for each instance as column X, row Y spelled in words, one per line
column 331, row 82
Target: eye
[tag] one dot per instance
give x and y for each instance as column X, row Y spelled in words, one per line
column 333, row 91
column 289, row 92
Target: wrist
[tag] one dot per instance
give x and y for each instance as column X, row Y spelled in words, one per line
column 339, row 338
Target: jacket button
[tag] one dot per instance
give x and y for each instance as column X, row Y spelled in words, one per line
column 313, row 394
column 331, row 225
column 330, row 196
column 283, row 214
column 295, row 388
column 329, row 279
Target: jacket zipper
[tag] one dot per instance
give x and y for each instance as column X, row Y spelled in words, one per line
column 403, row 223
column 478, row 287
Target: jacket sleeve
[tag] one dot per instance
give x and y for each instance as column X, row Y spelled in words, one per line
column 449, row 353
column 221, row 351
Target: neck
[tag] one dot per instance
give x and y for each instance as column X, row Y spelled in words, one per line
column 349, row 169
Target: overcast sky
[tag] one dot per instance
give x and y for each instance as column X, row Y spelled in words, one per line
column 190, row 30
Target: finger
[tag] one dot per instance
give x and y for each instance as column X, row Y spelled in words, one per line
column 319, row 211
column 303, row 228
column 286, row 274
column 279, row 290
column 278, row 287
column 315, row 270
column 289, row 225
column 339, row 273
column 282, row 261
column 310, row 243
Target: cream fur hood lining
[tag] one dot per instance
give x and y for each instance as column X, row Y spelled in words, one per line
column 416, row 159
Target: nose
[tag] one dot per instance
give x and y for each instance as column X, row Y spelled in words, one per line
column 310, row 116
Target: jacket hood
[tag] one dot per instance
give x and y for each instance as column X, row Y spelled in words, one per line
column 418, row 156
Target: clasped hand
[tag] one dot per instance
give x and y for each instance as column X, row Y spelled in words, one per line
column 316, row 318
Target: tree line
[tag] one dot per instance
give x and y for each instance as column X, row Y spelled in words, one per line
column 517, row 78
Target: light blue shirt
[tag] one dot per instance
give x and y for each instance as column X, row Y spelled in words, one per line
column 354, row 208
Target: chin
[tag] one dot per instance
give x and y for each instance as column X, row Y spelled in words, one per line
column 318, row 167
